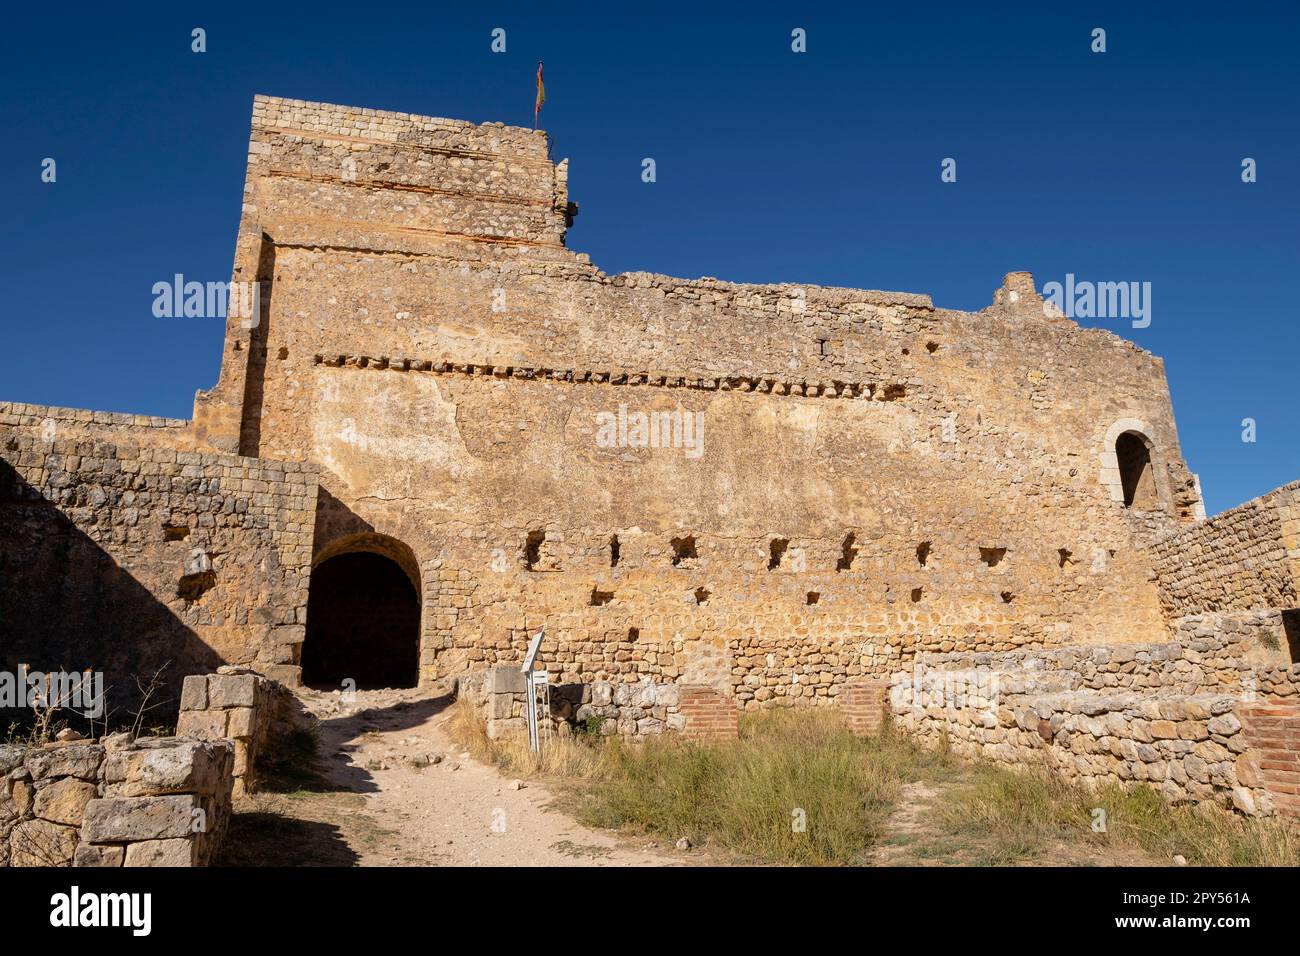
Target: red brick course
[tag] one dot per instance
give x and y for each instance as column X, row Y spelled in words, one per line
column 1273, row 731
column 709, row 715
column 864, row 704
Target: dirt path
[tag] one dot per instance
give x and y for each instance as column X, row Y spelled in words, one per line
column 397, row 791
column 906, row 826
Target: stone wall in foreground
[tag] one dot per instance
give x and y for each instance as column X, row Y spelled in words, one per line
column 155, row 801
column 243, row 706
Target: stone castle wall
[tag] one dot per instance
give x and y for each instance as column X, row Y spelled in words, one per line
column 842, row 489
column 1244, row 559
column 126, row 558
column 931, row 479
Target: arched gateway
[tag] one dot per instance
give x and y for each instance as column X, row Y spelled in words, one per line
column 363, row 615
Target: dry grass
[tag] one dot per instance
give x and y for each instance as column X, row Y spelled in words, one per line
column 563, row 758
column 797, row 787
column 1004, row 816
column 744, row 797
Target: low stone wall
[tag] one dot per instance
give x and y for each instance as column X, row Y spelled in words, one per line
column 237, row 703
column 1186, row 747
column 1212, row 717
column 624, row 709
column 156, row 801
column 1224, row 653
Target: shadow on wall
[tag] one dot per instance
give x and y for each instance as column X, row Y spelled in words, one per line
column 67, row 604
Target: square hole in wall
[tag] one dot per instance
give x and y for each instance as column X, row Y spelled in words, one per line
column 992, row 556
column 1291, row 626
column 847, row 553
column 533, row 549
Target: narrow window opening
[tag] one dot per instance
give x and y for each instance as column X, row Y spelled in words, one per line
column 684, row 555
column 191, row 587
column 775, row 552
column 633, row 635
column 1291, row 626
column 847, row 553
column 533, row 549
column 893, row 393
column 614, row 550
column 1136, row 474
column 923, row 553
column 916, row 595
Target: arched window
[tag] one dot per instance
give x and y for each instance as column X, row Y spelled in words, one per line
column 1136, row 473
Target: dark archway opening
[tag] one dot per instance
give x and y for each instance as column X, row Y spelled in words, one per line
column 363, row 624
column 1136, row 473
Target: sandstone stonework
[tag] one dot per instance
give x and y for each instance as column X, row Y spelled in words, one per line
column 713, row 496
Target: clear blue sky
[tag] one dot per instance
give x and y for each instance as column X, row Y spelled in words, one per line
column 820, row 168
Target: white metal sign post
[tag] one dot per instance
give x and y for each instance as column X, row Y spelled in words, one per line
column 535, row 682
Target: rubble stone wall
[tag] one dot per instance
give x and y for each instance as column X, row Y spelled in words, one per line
column 1169, row 715
column 607, row 708
column 128, row 557
column 1244, row 559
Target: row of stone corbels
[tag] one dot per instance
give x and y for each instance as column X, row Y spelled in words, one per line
column 879, row 391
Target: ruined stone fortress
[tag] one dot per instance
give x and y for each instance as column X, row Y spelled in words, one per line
column 444, row 430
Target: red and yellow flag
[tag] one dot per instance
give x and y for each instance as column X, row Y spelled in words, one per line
column 541, row 94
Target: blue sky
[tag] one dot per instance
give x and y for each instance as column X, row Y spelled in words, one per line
column 820, row 167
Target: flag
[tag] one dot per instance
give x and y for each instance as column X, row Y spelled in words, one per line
column 541, row 94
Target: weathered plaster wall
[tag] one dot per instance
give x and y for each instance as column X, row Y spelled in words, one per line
column 428, row 340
